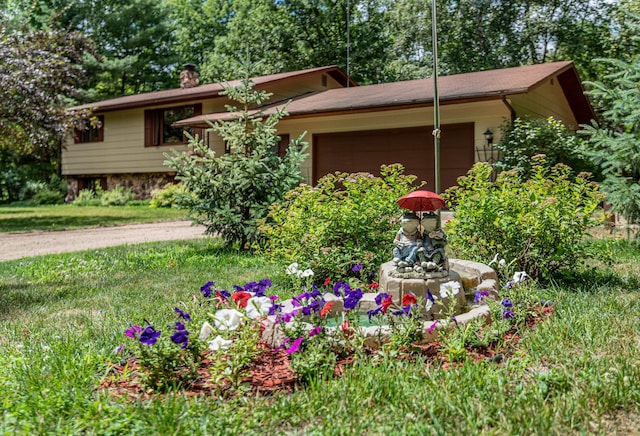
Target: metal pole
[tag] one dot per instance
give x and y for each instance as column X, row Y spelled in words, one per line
column 436, row 99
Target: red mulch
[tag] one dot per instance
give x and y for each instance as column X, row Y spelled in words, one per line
column 271, row 372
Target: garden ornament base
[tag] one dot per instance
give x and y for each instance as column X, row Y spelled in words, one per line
column 467, row 276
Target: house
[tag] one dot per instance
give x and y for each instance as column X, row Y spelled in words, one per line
column 350, row 128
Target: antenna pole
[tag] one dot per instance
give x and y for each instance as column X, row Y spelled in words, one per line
column 436, row 100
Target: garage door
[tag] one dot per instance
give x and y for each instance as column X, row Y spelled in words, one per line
column 412, row 147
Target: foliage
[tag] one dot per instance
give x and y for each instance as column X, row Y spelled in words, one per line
column 539, row 222
column 524, row 138
column 39, row 72
column 134, row 46
column 233, row 191
column 118, row 196
column 573, row 373
column 614, row 144
column 167, row 196
column 345, row 220
column 167, row 362
column 86, row 197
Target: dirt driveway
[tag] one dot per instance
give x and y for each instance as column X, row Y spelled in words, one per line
column 19, row 245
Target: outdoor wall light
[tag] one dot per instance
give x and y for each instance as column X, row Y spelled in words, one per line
column 488, row 135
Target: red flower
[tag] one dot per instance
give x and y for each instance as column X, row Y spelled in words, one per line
column 386, row 303
column 327, row 281
column 326, row 309
column 374, row 285
column 409, row 299
column 241, row 298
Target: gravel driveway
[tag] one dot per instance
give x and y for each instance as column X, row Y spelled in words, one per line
column 19, row 245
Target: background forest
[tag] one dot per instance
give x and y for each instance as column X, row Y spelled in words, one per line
column 140, row 45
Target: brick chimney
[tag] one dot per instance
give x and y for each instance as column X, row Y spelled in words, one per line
column 189, row 77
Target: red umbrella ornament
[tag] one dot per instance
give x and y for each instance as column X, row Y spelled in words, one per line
column 421, row 200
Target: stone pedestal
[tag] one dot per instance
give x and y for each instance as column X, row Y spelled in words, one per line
column 398, row 286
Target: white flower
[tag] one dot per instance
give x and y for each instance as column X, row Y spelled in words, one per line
column 205, row 331
column 306, row 273
column 502, row 263
column 448, row 289
column 292, row 269
column 520, row 276
column 258, row 306
column 227, row 319
column 219, row 343
column 429, row 305
column 494, row 260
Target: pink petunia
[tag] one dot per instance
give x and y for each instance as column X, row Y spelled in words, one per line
column 295, row 346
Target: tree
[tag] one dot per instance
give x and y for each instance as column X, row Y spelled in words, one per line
column 233, row 191
column 615, row 141
column 134, row 46
column 40, row 71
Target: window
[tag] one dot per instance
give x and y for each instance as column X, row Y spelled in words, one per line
column 90, row 133
column 158, row 129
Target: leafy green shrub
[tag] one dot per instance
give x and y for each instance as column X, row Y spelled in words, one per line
column 117, row 196
column 345, row 221
column 86, row 197
column 233, row 191
column 167, row 196
column 48, row 196
column 525, row 138
column 539, row 222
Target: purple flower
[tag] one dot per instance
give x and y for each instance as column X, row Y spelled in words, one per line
column 406, row 310
column 507, row 303
column 313, row 307
column 119, row 349
column 381, row 297
column 181, row 336
column 314, row 331
column 133, row 331
column 352, row 298
column 479, row 296
column 237, row 288
column 265, row 282
column 357, row 267
column 182, row 314
column 430, row 296
column 373, row 312
column 295, row 346
column 287, row 317
column 507, row 314
column 149, row 335
column 341, row 285
column 275, row 308
column 224, row 293
column 206, row 289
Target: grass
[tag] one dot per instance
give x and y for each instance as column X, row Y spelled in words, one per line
column 63, row 217
column 61, row 316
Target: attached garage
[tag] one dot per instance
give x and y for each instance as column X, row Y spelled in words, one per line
column 412, row 147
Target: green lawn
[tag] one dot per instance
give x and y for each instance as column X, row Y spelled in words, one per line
column 62, row 217
column 61, row 316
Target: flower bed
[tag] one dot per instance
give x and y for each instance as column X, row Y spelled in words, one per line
column 217, row 344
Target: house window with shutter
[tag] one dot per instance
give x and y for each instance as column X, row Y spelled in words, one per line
column 90, row 133
column 158, row 125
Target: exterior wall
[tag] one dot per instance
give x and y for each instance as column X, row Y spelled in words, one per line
column 122, row 150
column 547, row 100
column 485, row 115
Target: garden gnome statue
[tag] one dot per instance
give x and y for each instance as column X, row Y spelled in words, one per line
column 407, row 242
column 431, row 254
